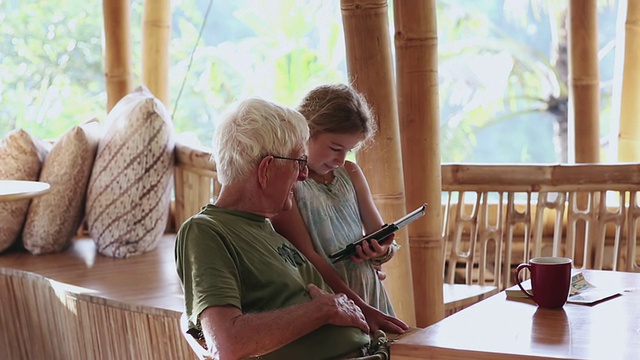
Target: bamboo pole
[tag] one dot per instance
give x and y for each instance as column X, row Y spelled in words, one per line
column 584, row 100
column 156, row 38
column 629, row 133
column 416, row 43
column 584, row 80
column 369, row 61
column 117, row 61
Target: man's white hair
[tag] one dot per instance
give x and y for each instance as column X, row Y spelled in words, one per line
column 254, row 129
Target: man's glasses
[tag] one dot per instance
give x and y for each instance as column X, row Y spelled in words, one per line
column 302, row 161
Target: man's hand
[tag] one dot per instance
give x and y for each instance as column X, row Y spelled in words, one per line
column 342, row 310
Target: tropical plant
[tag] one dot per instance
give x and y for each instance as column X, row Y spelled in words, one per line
column 505, row 76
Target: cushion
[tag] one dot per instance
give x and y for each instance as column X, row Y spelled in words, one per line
column 21, row 156
column 130, row 187
column 53, row 219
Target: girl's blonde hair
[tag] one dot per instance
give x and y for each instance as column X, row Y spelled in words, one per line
column 338, row 109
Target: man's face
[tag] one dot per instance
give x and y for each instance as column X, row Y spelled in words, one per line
column 287, row 173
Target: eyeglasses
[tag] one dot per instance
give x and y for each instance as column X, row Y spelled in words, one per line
column 302, row 161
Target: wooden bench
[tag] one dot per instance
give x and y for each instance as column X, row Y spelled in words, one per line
column 78, row 304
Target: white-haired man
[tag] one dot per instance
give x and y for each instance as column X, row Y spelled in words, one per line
column 246, row 287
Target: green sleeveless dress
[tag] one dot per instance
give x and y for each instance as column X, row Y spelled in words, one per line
column 332, row 217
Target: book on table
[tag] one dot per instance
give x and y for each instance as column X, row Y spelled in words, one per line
column 581, row 292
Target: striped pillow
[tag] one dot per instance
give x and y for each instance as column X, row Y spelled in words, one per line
column 53, row 219
column 130, row 187
column 21, row 157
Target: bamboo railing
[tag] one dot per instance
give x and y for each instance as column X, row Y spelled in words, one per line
column 514, row 212
column 195, row 179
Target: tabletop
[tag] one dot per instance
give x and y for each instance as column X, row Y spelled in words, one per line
column 501, row 328
column 12, row 190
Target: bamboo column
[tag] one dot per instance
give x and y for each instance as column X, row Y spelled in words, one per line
column 629, row 133
column 584, row 102
column 156, row 38
column 416, row 43
column 584, row 80
column 117, row 61
column 369, row 61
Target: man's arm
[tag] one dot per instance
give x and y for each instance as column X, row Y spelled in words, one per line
column 230, row 334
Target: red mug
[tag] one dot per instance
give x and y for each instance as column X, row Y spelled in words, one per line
column 550, row 280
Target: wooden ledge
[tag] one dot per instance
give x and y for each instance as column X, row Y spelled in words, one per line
column 149, row 279
column 78, row 304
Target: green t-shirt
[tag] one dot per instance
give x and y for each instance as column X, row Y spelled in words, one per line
column 227, row 257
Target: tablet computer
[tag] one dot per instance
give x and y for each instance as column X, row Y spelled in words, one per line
column 383, row 232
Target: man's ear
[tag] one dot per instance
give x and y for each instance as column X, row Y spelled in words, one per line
column 263, row 171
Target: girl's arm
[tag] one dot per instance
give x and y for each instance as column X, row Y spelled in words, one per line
column 370, row 217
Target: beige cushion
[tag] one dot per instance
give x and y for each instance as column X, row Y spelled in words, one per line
column 129, row 191
column 21, row 156
column 53, row 219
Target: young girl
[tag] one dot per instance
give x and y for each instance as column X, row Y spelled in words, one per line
column 334, row 206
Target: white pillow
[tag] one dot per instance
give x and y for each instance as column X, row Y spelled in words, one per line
column 130, row 187
column 21, row 156
column 53, row 218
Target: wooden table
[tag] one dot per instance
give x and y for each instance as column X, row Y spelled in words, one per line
column 12, row 190
column 498, row 328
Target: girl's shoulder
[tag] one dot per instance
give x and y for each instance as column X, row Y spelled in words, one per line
column 353, row 170
column 351, row 167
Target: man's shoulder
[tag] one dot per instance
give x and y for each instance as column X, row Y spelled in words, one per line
column 214, row 216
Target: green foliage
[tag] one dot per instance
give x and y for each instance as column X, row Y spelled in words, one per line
column 279, row 55
column 494, row 66
column 50, row 55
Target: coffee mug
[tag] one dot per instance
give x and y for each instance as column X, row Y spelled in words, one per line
column 550, row 280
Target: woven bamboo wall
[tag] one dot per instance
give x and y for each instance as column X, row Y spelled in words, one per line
column 42, row 318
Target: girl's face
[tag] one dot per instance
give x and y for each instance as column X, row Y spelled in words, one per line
column 327, row 151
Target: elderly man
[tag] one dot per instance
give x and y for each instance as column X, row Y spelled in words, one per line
column 246, row 287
